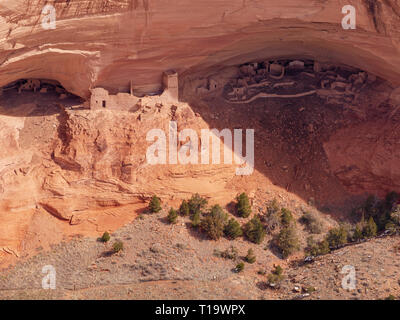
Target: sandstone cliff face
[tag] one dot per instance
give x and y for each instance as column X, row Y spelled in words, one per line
column 65, row 172
column 108, row 43
column 83, row 172
column 366, row 156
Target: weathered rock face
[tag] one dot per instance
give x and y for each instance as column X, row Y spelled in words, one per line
column 60, row 173
column 366, row 157
column 82, row 172
column 104, row 43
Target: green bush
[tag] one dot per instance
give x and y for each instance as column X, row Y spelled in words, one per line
column 172, row 216
column 155, row 204
column 250, row 258
column 196, row 204
column 391, row 211
column 380, row 210
column 276, row 276
column 214, row 222
column 105, row 237
column 337, row 237
column 390, row 297
column 358, row 234
column 255, row 231
column 273, row 207
column 118, row 246
column 233, row 229
column 312, row 223
column 395, row 215
column 370, row 229
column 286, row 217
column 196, row 219
column 272, row 216
column 239, row 267
column 230, row 253
column 317, row 248
column 184, row 209
column 243, row 205
column 309, row 289
column 287, row 241
column 391, row 227
column 323, row 247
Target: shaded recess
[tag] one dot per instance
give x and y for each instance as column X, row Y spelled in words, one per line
column 36, row 97
column 296, row 106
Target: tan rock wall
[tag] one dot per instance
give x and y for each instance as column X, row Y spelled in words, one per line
column 107, row 45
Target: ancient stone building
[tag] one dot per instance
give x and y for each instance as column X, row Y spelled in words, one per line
column 170, row 82
column 100, row 98
column 30, row 84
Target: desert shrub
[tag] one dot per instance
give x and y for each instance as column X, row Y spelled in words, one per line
column 105, row 237
column 311, row 243
column 287, row 241
column 272, row 216
column 358, row 234
column 391, row 211
column 262, row 272
column 323, row 247
column 391, row 227
column 172, row 216
column 243, row 205
column 276, row 276
column 214, row 222
column 286, row 217
column 118, row 246
column 233, row 229
column 349, row 229
column 309, row 289
column 155, row 204
column 380, row 210
column 196, row 219
column 317, row 248
column 337, row 237
column 184, row 209
column 196, row 203
column 390, row 297
column 239, row 267
column 230, row 253
column 395, row 215
column 273, row 207
column 312, row 223
column 250, row 257
column 255, row 231
column 370, row 228
column 392, row 223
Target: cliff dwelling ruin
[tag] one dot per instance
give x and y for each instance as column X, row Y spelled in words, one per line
column 282, row 85
column 42, row 86
column 100, row 97
column 287, row 79
column 36, row 92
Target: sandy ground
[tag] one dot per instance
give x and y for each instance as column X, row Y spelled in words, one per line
column 163, row 261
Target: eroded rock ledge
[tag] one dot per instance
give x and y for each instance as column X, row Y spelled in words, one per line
column 110, row 44
column 76, row 163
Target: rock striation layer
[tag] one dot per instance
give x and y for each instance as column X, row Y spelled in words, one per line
column 110, row 43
